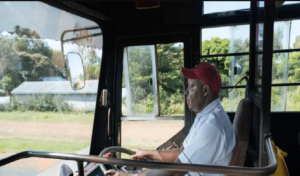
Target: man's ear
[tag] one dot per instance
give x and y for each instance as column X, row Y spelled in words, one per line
column 206, row 90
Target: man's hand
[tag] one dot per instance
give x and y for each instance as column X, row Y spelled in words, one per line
column 139, row 154
column 115, row 173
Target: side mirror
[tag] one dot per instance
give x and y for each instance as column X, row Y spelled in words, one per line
column 75, row 67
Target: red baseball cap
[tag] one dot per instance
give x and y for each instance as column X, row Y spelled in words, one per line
column 207, row 73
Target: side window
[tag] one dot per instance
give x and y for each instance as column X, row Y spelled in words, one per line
column 152, row 95
column 225, row 7
column 38, row 108
column 227, row 48
column 285, row 68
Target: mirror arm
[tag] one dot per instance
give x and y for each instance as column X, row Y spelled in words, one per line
column 74, row 30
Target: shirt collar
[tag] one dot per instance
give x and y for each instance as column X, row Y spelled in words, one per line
column 212, row 105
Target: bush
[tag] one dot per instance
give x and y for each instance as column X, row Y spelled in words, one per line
column 5, row 107
column 2, row 94
column 41, row 103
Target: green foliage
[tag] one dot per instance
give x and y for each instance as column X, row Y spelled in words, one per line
column 26, row 31
column 140, row 73
column 25, row 60
column 92, row 72
column 22, row 144
column 225, row 66
column 49, row 117
column 29, row 44
column 44, row 102
column 169, row 64
column 297, row 42
column 35, row 66
column 217, row 46
column 7, row 84
column 8, row 56
column 8, row 62
column 34, row 46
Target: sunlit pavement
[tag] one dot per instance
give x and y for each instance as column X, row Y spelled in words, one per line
column 55, row 170
column 52, row 171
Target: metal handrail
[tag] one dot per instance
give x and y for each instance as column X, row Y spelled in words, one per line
column 232, row 170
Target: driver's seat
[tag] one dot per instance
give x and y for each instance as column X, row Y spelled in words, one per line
column 241, row 124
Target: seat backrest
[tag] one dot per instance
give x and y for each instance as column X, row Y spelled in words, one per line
column 241, row 124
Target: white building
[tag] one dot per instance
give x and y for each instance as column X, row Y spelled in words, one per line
column 84, row 99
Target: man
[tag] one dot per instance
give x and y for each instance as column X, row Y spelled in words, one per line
column 211, row 138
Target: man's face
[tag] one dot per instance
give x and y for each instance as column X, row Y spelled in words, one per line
column 194, row 94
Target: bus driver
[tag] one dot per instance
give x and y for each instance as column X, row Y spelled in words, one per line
column 211, row 138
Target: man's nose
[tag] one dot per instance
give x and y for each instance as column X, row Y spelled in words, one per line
column 186, row 91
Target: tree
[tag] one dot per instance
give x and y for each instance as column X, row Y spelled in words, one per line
column 58, row 60
column 10, row 81
column 297, row 42
column 8, row 56
column 225, row 66
column 8, row 62
column 217, row 46
column 92, row 72
column 33, row 46
column 30, row 45
column 81, row 33
column 36, row 66
column 171, row 82
column 18, row 30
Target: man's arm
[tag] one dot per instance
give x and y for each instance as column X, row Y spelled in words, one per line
column 158, row 155
column 156, row 172
column 152, row 172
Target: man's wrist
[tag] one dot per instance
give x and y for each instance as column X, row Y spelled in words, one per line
column 148, row 154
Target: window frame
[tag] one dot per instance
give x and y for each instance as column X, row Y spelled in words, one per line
column 285, row 51
column 242, row 17
column 180, row 37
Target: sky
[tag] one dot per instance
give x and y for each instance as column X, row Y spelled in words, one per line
column 49, row 21
column 75, row 65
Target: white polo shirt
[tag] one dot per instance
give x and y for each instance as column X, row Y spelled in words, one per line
column 211, row 139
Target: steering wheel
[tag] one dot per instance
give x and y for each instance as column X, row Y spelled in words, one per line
column 116, row 149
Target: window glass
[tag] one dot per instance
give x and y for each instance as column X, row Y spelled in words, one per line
column 139, row 70
column 285, row 67
column 219, row 6
column 146, row 93
column 259, row 47
column 38, row 108
column 259, row 36
column 171, row 84
column 223, row 40
column 231, row 68
column 285, row 98
column 286, row 35
column 258, row 72
column 281, row 35
column 146, row 134
column 141, row 86
column 261, row 4
column 230, row 98
column 291, row 2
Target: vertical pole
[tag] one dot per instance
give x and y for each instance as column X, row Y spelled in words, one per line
column 252, row 47
column 269, row 14
column 127, row 82
column 156, row 88
column 80, row 168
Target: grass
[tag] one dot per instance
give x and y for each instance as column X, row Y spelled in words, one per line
column 21, row 144
column 53, row 117
column 43, row 140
